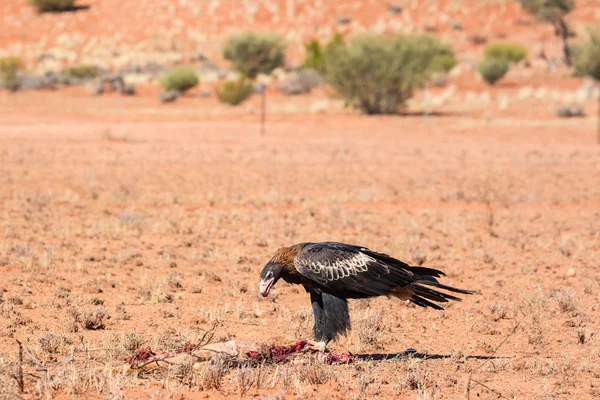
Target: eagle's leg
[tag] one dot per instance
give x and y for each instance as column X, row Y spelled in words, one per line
column 331, row 317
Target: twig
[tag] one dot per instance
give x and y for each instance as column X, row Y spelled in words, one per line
column 208, row 335
column 500, row 395
column 19, row 376
column 468, row 388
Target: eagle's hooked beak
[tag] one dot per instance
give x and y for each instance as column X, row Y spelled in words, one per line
column 265, row 286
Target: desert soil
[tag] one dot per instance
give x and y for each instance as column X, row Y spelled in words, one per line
column 153, row 222
column 125, row 223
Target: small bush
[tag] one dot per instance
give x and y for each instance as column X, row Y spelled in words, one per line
column 236, row 91
column 89, row 319
column 548, row 10
column 83, row 72
column 587, row 56
column 180, row 80
column 316, row 54
column 9, row 66
column 314, row 57
column 378, row 74
column 437, row 56
column 493, row 70
column 511, row 52
column 52, row 5
column 254, row 53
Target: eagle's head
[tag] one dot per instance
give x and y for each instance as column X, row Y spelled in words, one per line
column 269, row 276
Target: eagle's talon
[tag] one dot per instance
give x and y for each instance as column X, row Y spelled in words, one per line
column 319, row 346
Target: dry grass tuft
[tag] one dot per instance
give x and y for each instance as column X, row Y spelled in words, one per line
column 416, row 378
column 372, row 328
column 89, row 319
column 132, row 341
column 567, row 301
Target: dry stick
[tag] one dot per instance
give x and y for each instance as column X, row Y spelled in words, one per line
column 468, row 388
column 210, row 333
column 19, row 376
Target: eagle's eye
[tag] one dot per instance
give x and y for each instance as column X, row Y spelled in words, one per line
column 269, row 274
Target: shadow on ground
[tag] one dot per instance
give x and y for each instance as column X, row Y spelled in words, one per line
column 412, row 353
column 72, row 8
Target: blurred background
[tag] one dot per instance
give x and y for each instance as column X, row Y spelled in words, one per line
column 482, row 57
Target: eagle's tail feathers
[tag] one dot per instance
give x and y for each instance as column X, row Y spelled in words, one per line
column 423, row 302
column 446, row 287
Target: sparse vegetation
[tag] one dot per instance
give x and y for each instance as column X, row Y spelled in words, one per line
column 52, row 5
column 378, row 74
column 89, row 319
column 553, row 12
column 315, row 54
column 235, row 91
column 180, row 80
column 372, row 328
column 511, row 52
column 493, row 70
column 9, row 67
column 83, row 72
column 254, row 53
column 587, row 56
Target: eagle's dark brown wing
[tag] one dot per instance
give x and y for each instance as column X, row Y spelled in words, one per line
column 356, row 272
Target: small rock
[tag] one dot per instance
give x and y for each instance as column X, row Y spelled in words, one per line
column 395, row 9
column 457, row 26
column 571, row 272
column 300, row 82
column 198, row 56
column 573, row 110
column 168, row 97
column 292, row 86
column 344, row 20
column 129, row 90
column 205, row 93
column 477, row 39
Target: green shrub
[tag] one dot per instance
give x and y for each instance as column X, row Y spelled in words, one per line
column 83, row 72
column 493, row 70
column 511, row 52
column 548, row 10
column 440, row 56
column 52, row 5
column 554, row 12
column 235, row 91
column 378, row 74
column 315, row 54
column 9, row 66
column 254, row 53
column 587, row 56
column 314, row 57
column 180, row 79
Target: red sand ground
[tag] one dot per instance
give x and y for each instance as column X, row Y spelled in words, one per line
column 152, row 222
column 164, row 218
